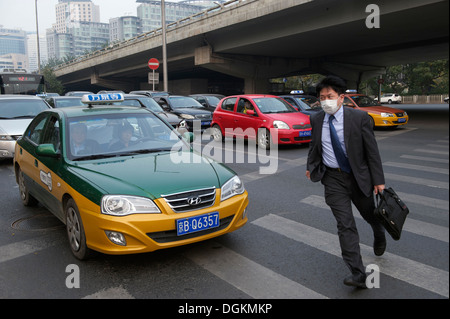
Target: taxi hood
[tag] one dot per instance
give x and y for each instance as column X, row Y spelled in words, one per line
column 381, row 109
column 153, row 175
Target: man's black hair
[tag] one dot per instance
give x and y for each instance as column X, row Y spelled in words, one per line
column 333, row 82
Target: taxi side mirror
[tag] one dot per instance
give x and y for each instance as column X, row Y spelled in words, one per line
column 47, row 150
column 250, row 112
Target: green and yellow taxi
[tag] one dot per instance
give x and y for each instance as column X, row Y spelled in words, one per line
column 123, row 180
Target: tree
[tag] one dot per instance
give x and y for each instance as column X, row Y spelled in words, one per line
column 425, row 77
column 51, row 82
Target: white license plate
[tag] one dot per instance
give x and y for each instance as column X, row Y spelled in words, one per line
column 197, row 223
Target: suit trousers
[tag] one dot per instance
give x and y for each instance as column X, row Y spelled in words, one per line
column 341, row 190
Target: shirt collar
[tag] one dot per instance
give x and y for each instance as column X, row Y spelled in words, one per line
column 339, row 115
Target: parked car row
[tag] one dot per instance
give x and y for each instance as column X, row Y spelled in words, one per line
column 199, row 112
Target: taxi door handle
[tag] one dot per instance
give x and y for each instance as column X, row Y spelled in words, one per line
column 36, row 163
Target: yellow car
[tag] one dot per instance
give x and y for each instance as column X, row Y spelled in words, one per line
column 382, row 116
column 123, row 180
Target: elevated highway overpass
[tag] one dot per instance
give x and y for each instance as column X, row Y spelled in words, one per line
column 239, row 46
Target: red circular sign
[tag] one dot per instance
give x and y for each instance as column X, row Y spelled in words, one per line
column 153, row 64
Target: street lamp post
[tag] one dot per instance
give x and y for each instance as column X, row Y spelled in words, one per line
column 164, row 48
column 37, row 38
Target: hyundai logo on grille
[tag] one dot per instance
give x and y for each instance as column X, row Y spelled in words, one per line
column 194, row 200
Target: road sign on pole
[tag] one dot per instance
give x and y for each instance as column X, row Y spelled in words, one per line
column 153, row 64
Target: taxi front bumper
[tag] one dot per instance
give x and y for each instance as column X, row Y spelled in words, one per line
column 390, row 121
column 149, row 232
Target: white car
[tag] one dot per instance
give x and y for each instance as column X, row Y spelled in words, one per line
column 16, row 112
column 390, row 98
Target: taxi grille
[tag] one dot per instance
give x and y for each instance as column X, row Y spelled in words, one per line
column 399, row 114
column 300, row 126
column 192, row 200
column 171, row 235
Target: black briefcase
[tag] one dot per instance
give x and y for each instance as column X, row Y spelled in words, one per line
column 391, row 211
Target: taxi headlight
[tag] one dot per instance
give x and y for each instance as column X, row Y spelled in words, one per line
column 280, row 125
column 122, row 205
column 387, row 115
column 233, row 187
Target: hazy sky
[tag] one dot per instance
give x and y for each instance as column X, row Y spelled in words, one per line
column 21, row 13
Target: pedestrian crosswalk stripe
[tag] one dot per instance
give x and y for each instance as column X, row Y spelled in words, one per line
column 111, row 293
column 438, row 145
column 22, row 248
column 424, row 200
column 417, row 180
column 248, row 276
column 429, row 151
column 407, row 270
column 411, row 225
column 418, row 167
column 425, row 158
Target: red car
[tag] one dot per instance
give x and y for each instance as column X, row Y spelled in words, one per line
column 266, row 118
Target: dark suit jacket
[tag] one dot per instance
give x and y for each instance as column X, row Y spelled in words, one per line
column 362, row 149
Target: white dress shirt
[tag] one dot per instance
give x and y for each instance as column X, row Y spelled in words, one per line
column 328, row 157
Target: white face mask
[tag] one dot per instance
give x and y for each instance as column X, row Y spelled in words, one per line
column 330, row 106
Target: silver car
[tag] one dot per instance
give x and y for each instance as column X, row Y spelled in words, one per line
column 16, row 112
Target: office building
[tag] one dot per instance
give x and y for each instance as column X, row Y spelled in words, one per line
column 13, row 49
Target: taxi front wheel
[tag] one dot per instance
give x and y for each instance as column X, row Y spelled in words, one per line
column 25, row 196
column 75, row 231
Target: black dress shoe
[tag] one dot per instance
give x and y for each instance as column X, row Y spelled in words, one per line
column 379, row 245
column 358, row 280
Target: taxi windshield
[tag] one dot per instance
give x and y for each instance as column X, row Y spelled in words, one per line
column 269, row 105
column 119, row 134
column 364, row 100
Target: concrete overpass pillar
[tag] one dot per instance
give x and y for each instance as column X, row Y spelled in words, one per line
column 255, row 86
column 351, row 73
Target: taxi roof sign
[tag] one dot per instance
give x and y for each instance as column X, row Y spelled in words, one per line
column 297, row 92
column 102, row 98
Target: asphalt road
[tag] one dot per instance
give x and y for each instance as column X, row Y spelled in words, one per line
column 288, row 249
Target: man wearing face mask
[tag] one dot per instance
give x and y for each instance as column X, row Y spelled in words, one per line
column 344, row 157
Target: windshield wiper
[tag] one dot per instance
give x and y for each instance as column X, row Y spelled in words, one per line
column 153, row 150
column 92, row 157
